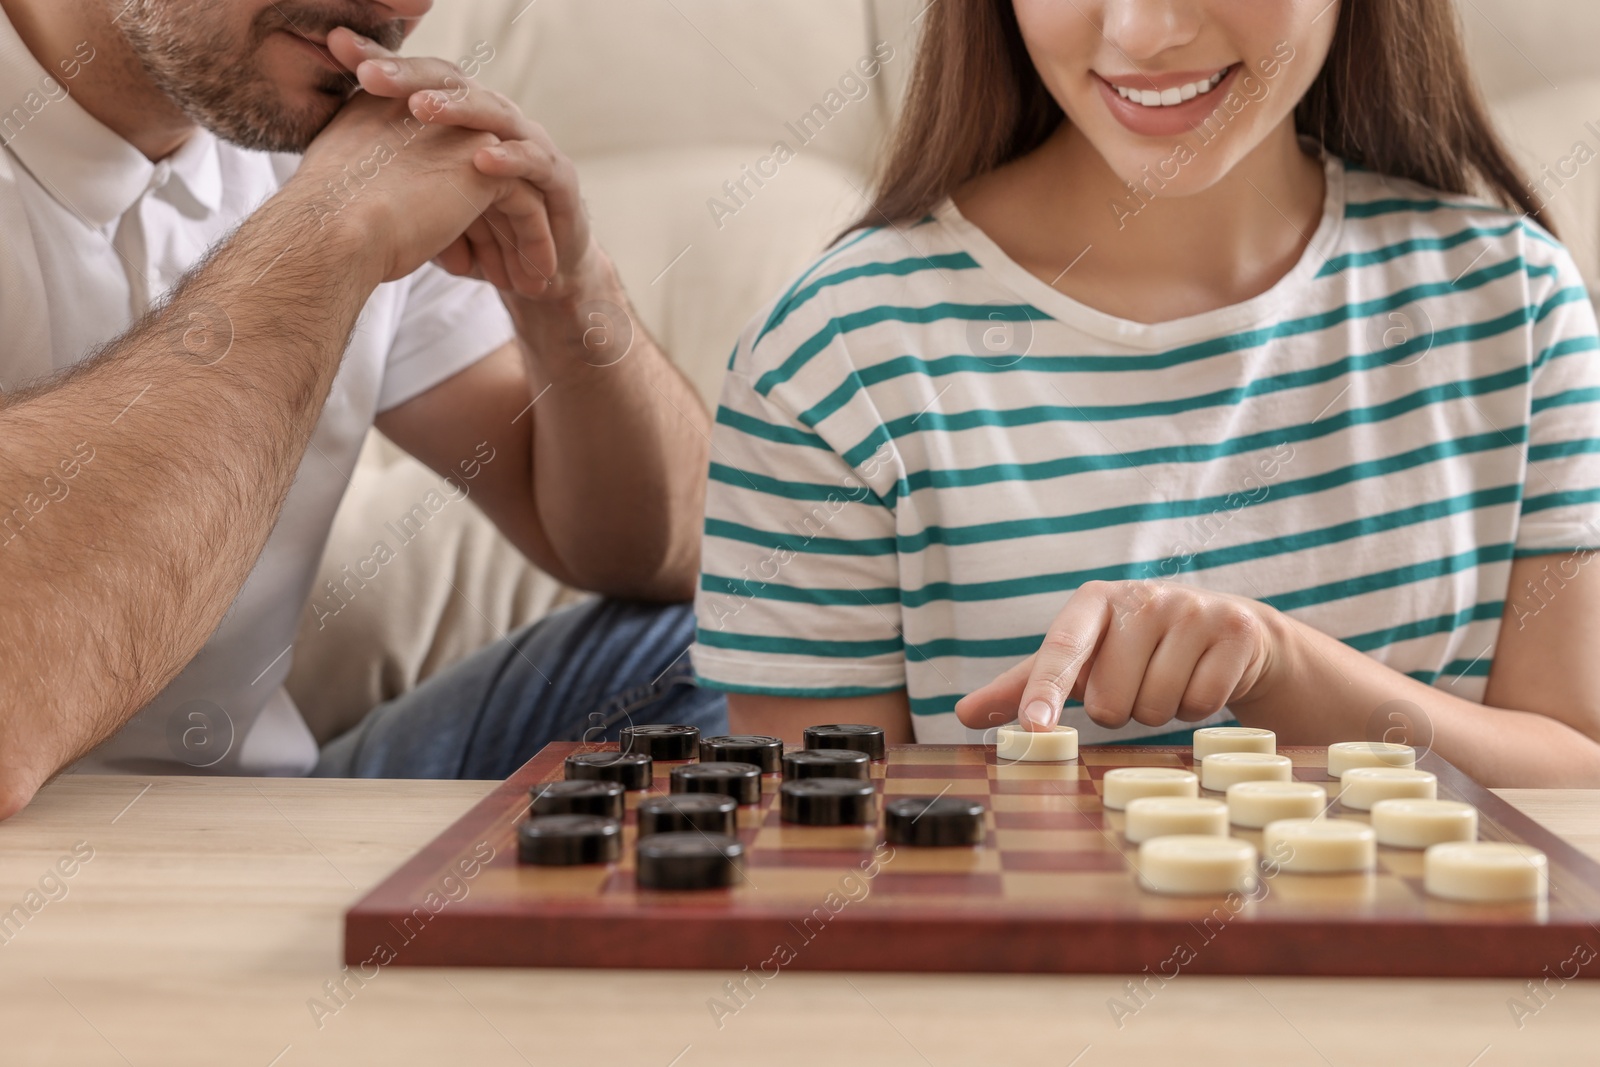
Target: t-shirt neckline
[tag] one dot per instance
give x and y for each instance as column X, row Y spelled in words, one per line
column 1159, row 335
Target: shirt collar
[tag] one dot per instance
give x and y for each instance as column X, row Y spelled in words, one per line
column 196, row 165
column 85, row 166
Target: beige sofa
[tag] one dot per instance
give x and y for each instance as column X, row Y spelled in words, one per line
column 659, row 104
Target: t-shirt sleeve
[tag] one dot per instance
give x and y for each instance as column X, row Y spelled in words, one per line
column 800, row 591
column 1561, row 488
column 446, row 324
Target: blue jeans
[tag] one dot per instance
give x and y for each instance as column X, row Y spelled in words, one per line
column 579, row 675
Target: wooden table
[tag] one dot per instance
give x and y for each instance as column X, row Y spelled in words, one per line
column 206, row 928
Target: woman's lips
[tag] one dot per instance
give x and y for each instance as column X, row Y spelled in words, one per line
column 1166, row 120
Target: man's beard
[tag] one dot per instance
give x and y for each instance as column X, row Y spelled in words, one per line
column 216, row 80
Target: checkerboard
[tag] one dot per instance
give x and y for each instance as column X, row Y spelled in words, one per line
column 1052, row 888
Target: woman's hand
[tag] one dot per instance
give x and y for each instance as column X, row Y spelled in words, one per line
column 1150, row 651
column 535, row 240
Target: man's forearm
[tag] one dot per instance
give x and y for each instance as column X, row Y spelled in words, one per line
column 198, row 418
column 620, row 446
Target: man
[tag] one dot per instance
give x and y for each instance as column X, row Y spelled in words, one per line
column 199, row 327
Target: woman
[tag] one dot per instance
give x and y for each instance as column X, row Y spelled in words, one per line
column 1196, row 360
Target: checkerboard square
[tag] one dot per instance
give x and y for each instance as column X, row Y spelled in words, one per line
column 1052, row 772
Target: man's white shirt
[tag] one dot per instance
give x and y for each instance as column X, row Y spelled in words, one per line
column 94, row 235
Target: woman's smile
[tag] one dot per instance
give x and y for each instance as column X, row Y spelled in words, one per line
column 1163, row 105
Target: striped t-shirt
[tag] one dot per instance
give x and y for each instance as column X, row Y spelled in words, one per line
column 923, row 449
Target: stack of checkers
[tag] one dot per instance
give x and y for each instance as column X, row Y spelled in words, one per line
column 1265, row 821
column 688, row 838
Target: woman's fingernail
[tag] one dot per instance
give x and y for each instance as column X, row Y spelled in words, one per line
column 497, row 152
column 388, row 66
column 1037, row 712
column 360, row 41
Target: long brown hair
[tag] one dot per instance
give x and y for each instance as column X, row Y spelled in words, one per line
column 1396, row 95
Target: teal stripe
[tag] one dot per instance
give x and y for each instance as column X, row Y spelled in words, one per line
column 1154, row 510
column 938, row 704
column 751, row 426
column 744, row 589
column 932, row 421
column 896, row 269
column 1569, row 498
column 1027, row 644
column 1339, row 264
column 799, row 646
column 1066, row 581
column 1538, row 233
column 1565, row 398
column 943, row 703
column 1566, row 347
column 1438, row 624
column 979, row 647
column 1129, row 362
column 1356, row 529
column 1562, row 449
column 1469, row 668
column 861, row 378
column 864, row 377
column 798, row 543
column 1373, row 208
column 1369, row 642
column 788, row 294
column 857, row 320
column 1140, row 513
column 1556, row 550
column 1572, row 294
column 1198, row 453
column 763, row 483
column 1395, row 576
column 836, row 693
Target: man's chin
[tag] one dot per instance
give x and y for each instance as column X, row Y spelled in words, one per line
column 286, row 129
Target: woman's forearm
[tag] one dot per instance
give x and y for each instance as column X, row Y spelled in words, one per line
column 1322, row 690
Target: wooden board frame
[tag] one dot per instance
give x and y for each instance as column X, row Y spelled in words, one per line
column 463, row 901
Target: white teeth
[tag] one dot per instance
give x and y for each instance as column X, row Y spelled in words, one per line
column 1169, row 97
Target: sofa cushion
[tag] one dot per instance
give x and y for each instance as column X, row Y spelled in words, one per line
column 697, row 274
column 608, row 76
